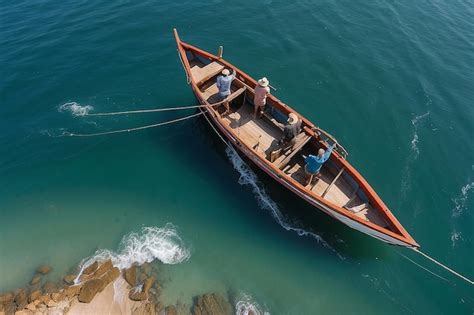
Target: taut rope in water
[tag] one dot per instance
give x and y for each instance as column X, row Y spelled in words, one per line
column 133, row 129
column 443, row 266
column 153, row 110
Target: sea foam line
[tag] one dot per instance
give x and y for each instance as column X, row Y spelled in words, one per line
column 75, row 109
column 414, row 141
column 461, row 200
column 151, row 243
column 249, row 178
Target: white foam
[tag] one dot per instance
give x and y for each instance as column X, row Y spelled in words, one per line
column 247, row 305
column 455, row 237
column 414, row 141
column 151, row 243
column 75, row 109
column 461, row 200
column 249, row 178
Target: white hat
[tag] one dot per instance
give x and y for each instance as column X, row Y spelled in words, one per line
column 226, row 72
column 292, row 118
column 263, row 82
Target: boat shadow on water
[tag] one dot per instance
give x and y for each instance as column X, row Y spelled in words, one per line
column 295, row 212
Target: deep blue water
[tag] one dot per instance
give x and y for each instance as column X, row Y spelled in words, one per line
column 392, row 80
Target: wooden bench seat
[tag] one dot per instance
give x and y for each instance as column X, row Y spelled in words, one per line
column 201, row 75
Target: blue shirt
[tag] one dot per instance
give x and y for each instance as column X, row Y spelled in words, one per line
column 314, row 162
column 223, row 84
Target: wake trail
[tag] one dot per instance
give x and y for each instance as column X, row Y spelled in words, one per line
column 249, row 178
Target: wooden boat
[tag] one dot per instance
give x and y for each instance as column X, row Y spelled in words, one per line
column 341, row 191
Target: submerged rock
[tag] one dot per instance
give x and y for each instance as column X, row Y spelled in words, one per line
column 130, row 275
column 50, row 287
column 43, row 269
column 35, row 280
column 90, row 289
column 211, row 304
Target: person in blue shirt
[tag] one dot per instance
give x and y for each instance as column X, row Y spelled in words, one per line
column 315, row 162
column 223, row 83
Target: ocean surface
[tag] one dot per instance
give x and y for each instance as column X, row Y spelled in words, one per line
column 392, row 80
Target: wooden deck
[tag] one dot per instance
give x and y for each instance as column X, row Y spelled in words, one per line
column 263, row 135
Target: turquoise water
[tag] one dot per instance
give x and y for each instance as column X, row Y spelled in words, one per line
column 392, row 81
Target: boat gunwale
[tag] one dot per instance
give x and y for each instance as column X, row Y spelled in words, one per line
column 403, row 236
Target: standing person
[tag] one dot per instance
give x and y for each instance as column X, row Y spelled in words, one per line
column 224, row 82
column 261, row 92
column 314, row 163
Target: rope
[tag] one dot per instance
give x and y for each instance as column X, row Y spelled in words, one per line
column 443, row 266
column 434, row 274
column 153, row 110
column 213, row 128
column 133, row 129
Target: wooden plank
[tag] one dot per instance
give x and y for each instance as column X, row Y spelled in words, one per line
column 296, row 149
column 333, row 181
column 201, row 75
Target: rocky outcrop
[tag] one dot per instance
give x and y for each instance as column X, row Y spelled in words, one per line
column 171, row 310
column 34, row 295
column 72, row 290
column 6, row 298
column 43, row 269
column 211, row 304
column 69, row 279
column 142, row 294
column 90, row 289
column 21, row 299
column 91, row 268
column 145, row 309
column 130, row 275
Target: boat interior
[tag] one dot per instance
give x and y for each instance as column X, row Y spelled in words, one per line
column 263, row 136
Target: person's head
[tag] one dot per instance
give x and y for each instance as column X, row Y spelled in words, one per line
column 263, row 82
column 321, row 152
column 292, row 118
column 225, row 72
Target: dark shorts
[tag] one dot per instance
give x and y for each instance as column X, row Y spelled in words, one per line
column 308, row 172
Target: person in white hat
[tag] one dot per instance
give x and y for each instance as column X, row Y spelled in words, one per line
column 291, row 130
column 261, row 92
column 223, row 83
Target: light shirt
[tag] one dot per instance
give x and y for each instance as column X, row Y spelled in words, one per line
column 261, row 93
column 223, row 84
column 314, row 162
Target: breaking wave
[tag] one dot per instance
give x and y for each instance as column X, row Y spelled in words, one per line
column 461, row 200
column 75, row 109
column 246, row 305
column 151, row 243
column 249, row 178
column 414, row 141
